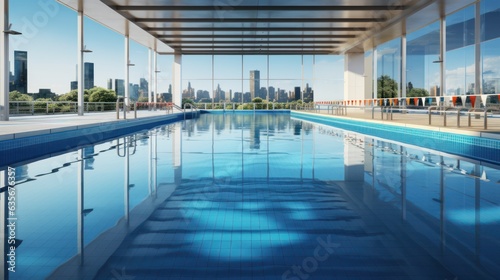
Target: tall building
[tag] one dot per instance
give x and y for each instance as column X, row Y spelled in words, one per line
column 254, row 83
column 143, row 87
column 120, row 87
column 110, row 83
column 88, row 75
column 21, row 71
column 272, row 94
column 297, row 93
column 74, row 85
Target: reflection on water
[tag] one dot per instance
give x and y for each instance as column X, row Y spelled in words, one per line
column 255, row 192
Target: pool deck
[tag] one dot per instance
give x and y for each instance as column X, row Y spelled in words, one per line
column 421, row 121
column 24, row 126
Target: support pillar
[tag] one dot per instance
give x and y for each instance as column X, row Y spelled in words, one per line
column 478, row 65
column 150, row 74
column 4, row 62
column 127, row 72
column 443, row 55
column 80, row 78
column 354, row 82
column 177, row 80
column 403, row 65
column 155, row 63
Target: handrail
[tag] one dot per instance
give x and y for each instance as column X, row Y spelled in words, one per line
column 485, row 110
column 430, row 113
column 191, row 107
column 455, row 109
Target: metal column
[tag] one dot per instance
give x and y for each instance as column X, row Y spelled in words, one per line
column 4, row 62
column 81, row 47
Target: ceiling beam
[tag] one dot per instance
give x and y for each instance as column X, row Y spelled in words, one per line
column 251, row 42
column 254, row 29
column 228, row 7
column 215, row 47
column 255, row 36
column 258, row 52
column 263, row 20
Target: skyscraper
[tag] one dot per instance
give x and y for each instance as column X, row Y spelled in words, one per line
column 88, row 76
column 120, row 87
column 110, row 83
column 21, row 71
column 297, row 93
column 254, row 83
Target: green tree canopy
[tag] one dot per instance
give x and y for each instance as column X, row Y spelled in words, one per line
column 17, row 96
column 99, row 94
column 143, row 99
column 386, row 87
column 72, row 96
column 257, row 100
column 417, row 92
column 187, row 100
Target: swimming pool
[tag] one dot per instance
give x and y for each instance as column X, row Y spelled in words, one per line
column 256, row 196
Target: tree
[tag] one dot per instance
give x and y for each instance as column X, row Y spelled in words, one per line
column 99, row 94
column 186, row 101
column 386, row 87
column 417, row 92
column 257, row 100
column 17, row 96
column 143, row 99
column 72, row 96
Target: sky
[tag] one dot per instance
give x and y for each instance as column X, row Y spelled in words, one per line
column 50, row 38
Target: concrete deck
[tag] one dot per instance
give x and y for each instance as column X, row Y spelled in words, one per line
column 25, row 126
column 421, row 121
column 18, row 127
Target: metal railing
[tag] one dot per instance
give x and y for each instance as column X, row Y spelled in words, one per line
column 56, row 107
column 246, row 106
column 432, row 112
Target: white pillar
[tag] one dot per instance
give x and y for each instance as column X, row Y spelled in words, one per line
column 375, row 73
column 442, row 51
column 150, row 73
column 127, row 62
column 403, row 65
column 80, row 76
column 4, row 62
column 354, row 82
column 155, row 63
column 478, row 64
column 177, row 80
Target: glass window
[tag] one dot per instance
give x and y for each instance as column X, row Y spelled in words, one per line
column 490, row 36
column 422, row 66
column 369, row 93
column 460, row 52
column 227, row 66
column 388, row 69
column 328, row 83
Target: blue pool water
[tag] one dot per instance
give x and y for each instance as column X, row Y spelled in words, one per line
column 256, row 196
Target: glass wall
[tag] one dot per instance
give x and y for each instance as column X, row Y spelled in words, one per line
column 274, row 78
column 389, row 69
column 460, row 52
column 490, row 44
column 422, row 69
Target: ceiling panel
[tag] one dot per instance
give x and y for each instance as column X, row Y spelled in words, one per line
column 248, row 26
